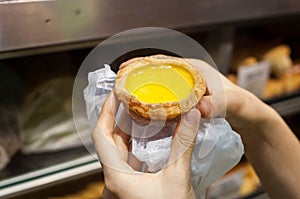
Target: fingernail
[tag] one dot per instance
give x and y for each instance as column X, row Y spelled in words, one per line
column 192, row 117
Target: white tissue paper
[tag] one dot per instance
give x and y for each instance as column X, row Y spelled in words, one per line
column 217, row 147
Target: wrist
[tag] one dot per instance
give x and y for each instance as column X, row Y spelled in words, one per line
column 252, row 118
column 245, row 111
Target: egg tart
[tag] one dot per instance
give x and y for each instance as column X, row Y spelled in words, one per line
column 159, row 87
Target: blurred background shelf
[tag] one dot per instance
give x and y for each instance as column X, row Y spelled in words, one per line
column 286, row 105
column 69, row 24
column 27, row 173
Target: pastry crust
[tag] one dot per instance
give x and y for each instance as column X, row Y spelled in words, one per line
column 280, row 59
column 144, row 112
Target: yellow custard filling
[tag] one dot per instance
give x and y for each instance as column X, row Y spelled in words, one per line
column 159, row 84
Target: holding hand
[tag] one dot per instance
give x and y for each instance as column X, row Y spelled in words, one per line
column 270, row 145
column 122, row 180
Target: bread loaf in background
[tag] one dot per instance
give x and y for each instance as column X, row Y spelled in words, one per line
column 285, row 75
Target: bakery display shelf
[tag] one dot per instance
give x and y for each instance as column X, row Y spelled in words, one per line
column 34, row 24
column 287, row 104
column 26, row 173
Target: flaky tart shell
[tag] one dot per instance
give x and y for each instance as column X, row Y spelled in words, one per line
column 141, row 111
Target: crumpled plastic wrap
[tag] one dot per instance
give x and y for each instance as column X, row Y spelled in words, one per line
column 217, row 148
column 101, row 82
column 154, row 152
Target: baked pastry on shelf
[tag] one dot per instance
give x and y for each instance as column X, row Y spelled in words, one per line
column 280, row 60
column 285, row 75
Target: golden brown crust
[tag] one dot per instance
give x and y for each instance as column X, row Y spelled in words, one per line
column 280, row 60
column 159, row 111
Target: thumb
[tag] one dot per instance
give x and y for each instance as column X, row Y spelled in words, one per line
column 183, row 142
column 206, row 107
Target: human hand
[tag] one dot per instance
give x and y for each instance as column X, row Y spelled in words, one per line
column 271, row 146
column 223, row 98
column 122, row 181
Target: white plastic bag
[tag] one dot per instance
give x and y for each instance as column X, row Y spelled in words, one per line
column 217, row 148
